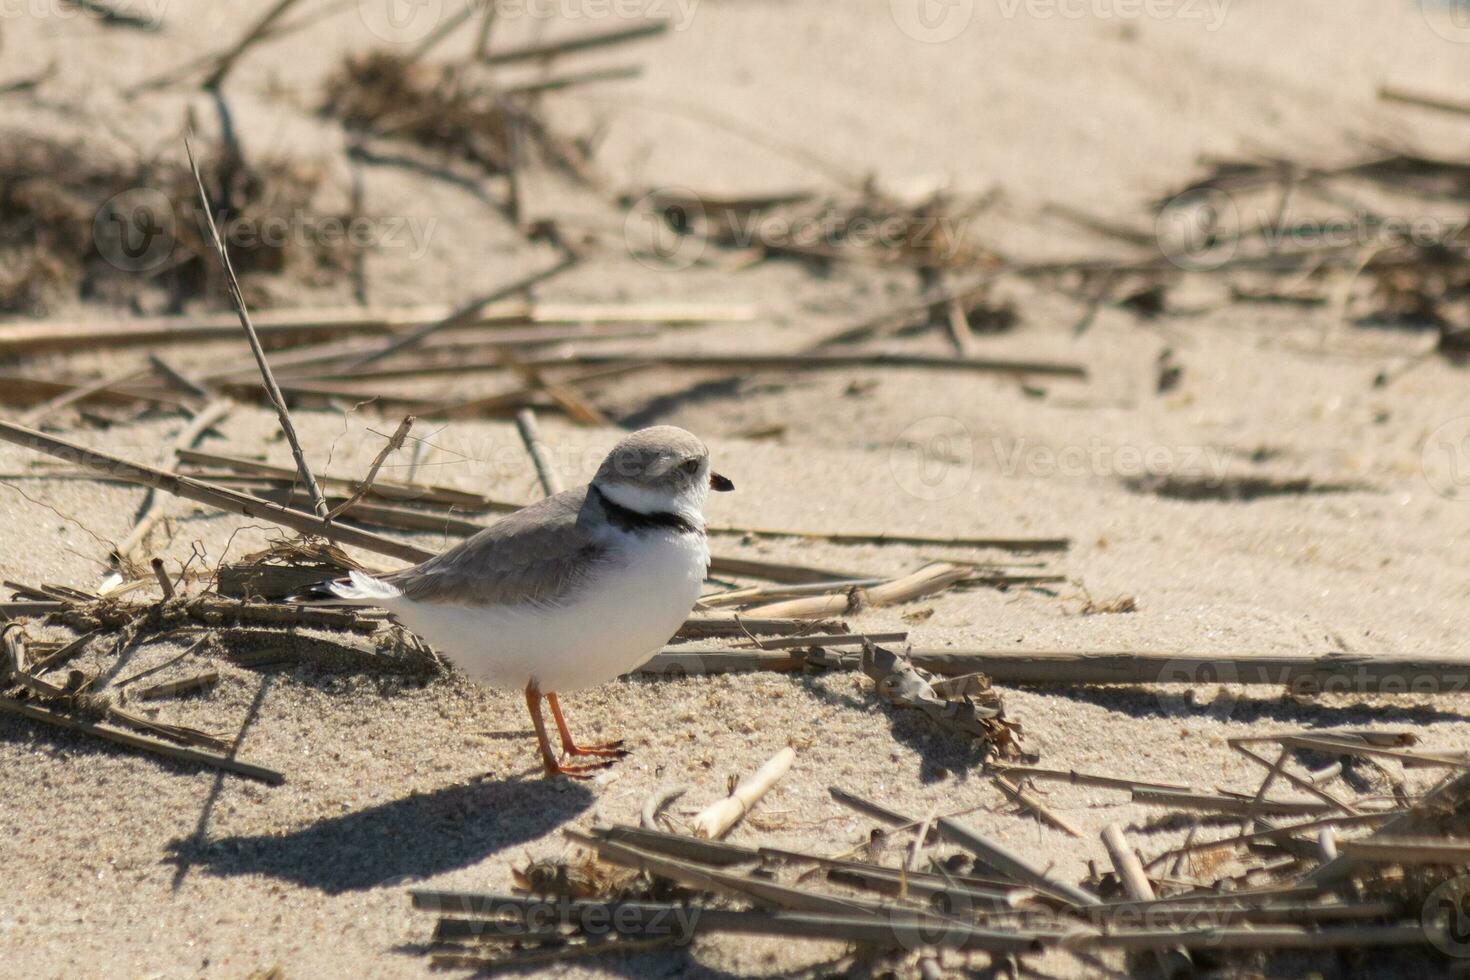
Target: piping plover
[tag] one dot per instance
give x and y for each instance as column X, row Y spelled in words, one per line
column 569, row 592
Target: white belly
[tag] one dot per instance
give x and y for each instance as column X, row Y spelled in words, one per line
column 618, row 621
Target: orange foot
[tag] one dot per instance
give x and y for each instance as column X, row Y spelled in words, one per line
column 579, row 771
column 606, row 750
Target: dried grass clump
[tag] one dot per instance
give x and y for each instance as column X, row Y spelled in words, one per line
column 57, row 198
column 442, row 108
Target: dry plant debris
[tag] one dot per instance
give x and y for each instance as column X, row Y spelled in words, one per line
column 59, row 199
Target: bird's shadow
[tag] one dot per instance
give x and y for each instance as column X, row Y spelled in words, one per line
column 416, row 836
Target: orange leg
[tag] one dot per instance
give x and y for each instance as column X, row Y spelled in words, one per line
column 548, row 757
column 608, row 750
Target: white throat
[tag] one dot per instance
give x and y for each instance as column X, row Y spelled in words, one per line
column 689, row 505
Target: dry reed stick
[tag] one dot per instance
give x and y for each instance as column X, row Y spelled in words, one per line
column 1022, row 798
column 395, row 443
column 715, row 820
column 258, row 32
column 45, row 410
column 536, row 448
column 158, row 747
column 283, row 414
column 209, row 494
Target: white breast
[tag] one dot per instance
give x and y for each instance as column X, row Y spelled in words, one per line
column 616, row 622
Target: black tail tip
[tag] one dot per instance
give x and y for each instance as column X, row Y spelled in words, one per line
column 314, row 592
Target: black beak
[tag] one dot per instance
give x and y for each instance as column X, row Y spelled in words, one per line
column 720, row 483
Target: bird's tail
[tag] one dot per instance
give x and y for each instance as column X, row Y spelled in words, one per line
column 356, row 587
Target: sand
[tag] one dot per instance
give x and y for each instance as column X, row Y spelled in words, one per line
column 123, row 865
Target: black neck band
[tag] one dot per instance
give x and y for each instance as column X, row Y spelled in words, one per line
column 628, row 519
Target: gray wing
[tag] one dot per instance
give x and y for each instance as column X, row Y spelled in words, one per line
column 538, row 554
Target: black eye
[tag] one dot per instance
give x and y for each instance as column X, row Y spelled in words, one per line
column 690, row 466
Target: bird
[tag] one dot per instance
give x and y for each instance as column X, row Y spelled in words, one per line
column 569, row 592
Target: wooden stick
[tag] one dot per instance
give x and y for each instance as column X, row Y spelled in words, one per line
column 466, row 314
column 45, row 410
column 390, row 489
column 1274, row 937
column 1086, row 779
column 1011, row 864
column 536, row 448
column 887, row 537
column 1449, row 797
column 26, row 336
column 177, row 378
column 824, row 360
column 579, row 42
column 257, row 33
column 62, row 655
column 1387, row 849
column 164, row 585
column 1224, row 804
column 1175, row 960
column 1390, row 93
column 715, row 820
column 153, row 509
column 185, row 686
column 1304, row 784
column 1019, row 796
column 1331, row 670
column 926, row 581
column 696, row 849
column 224, row 762
column 766, row 893
column 829, row 640
column 283, row 414
column 209, row 494
column 395, row 443
column 1273, row 833
column 900, row 932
